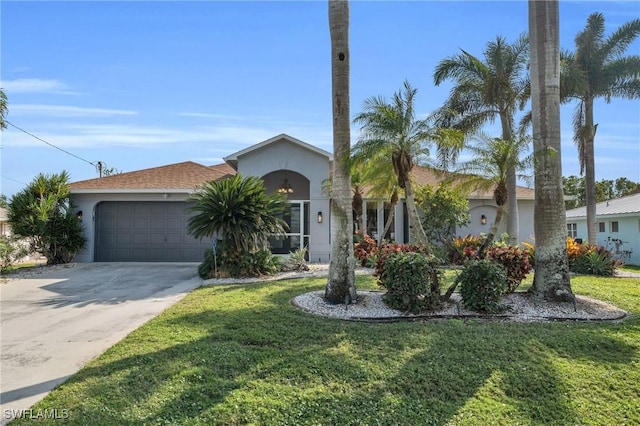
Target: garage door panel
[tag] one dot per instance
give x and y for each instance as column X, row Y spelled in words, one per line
column 145, row 232
column 174, row 223
column 156, row 238
column 140, row 223
column 141, row 239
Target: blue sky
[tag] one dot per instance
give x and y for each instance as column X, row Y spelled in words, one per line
column 144, row 84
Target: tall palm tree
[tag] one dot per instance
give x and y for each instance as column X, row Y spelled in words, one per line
column 497, row 86
column 598, row 69
column 390, row 127
column 341, row 280
column 488, row 169
column 551, row 280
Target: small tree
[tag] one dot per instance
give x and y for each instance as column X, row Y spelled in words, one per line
column 447, row 209
column 42, row 214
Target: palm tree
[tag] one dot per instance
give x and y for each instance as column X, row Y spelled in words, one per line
column 391, row 129
column 375, row 173
column 341, row 280
column 551, row 280
column 484, row 90
column 239, row 210
column 598, row 69
column 488, row 169
column 3, row 109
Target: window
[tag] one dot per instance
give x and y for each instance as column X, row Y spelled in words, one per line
column 572, row 230
column 601, row 227
column 614, row 226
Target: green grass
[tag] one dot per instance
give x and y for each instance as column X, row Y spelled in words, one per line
column 234, row 354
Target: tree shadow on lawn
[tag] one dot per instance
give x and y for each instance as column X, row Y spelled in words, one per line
column 242, row 354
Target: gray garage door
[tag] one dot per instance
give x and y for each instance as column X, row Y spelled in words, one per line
column 134, row 231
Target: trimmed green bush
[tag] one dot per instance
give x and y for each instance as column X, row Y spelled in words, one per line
column 412, row 281
column 482, row 285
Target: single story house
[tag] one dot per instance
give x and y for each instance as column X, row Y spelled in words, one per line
column 142, row 215
column 618, row 226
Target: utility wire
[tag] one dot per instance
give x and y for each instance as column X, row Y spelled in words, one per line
column 52, row 145
column 8, row 178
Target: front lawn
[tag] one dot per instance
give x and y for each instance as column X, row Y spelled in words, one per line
column 243, row 355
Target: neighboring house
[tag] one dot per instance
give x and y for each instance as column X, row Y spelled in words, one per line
column 143, row 215
column 618, row 226
column 5, row 228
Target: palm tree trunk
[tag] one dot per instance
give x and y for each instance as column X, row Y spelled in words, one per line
column 387, row 225
column 513, row 223
column 551, row 280
column 418, row 236
column 590, row 172
column 341, row 280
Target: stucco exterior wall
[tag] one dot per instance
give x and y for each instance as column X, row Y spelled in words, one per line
column 285, row 155
column 479, row 207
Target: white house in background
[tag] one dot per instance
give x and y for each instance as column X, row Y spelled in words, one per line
column 618, row 226
column 5, row 228
column 142, row 215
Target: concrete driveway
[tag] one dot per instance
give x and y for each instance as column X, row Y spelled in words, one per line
column 52, row 324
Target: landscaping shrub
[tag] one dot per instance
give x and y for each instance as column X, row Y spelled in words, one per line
column 574, row 251
column 364, row 249
column 412, row 281
column 515, row 262
column 386, row 249
column 596, row 261
column 530, row 248
column 238, row 264
column 12, row 249
column 296, row 261
column 482, row 285
column 461, row 249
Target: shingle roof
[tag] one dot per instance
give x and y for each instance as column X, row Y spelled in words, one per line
column 180, row 176
column 428, row 176
column 186, row 176
column 628, row 205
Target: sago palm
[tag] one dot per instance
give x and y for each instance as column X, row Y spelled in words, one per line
column 496, row 86
column 239, row 211
column 597, row 69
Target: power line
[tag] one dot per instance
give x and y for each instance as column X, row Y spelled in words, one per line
column 52, row 145
column 8, row 178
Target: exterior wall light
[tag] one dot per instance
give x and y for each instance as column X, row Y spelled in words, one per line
column 483, row 220
column 319, row 217
column 79, row 215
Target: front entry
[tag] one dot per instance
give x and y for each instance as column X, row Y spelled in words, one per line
column 296, row 215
